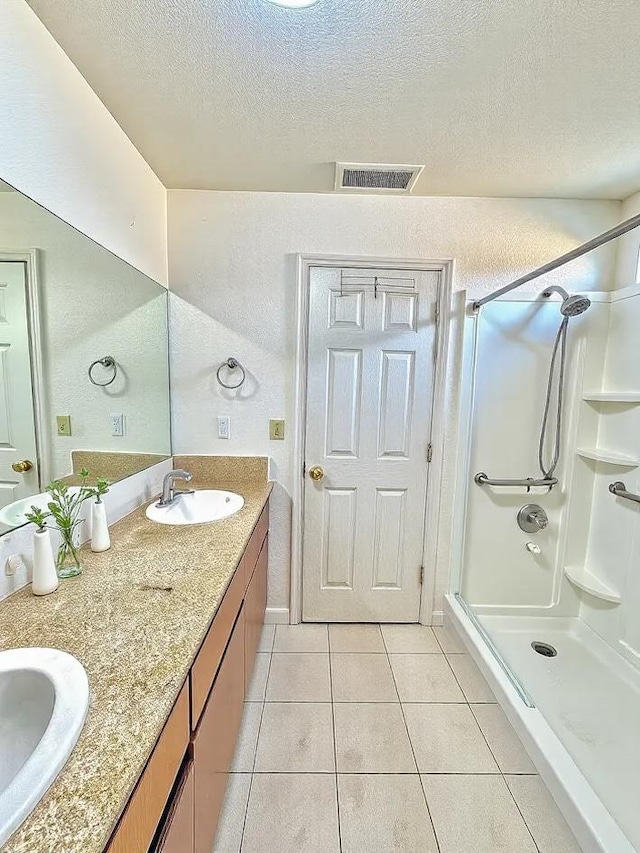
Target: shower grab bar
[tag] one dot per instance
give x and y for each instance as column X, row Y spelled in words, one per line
column 482, row 479
column 620, row 491
column 594, row 243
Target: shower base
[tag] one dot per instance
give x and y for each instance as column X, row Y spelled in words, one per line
column 584, row 732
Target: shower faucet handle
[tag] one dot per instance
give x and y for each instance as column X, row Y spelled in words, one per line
column 540, row 518
column 532, row 518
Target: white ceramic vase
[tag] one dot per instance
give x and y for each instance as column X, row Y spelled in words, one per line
column 45, row 577
column 100, row 539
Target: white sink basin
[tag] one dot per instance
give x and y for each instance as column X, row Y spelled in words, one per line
column 199, row 507
column 13, row 514
column 44, row 697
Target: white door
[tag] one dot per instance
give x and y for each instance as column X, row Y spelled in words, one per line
column 17, row 422
column 371, row 355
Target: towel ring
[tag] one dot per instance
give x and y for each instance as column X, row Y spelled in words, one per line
column 109, row 362
column 231, row 364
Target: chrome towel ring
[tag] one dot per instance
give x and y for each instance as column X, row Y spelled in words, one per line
column 110, row 363
column 231, row 364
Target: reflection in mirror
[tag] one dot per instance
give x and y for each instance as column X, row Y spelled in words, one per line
column 83, row 359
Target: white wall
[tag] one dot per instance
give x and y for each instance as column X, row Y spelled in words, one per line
column 93, row 304
column 60, row 146
column 232, row 273
column 628, row 246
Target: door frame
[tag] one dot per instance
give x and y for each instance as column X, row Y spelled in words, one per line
column 30, row 258
column 304, row 263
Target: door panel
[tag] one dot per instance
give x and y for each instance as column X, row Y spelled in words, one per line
column 399, row 312
column 388, row 525
column 17, row 422
column 369, row 399
column 344, row 395
column 338, row 547
column 396, row 404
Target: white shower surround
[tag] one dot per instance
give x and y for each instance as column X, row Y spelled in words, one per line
column 598, row 665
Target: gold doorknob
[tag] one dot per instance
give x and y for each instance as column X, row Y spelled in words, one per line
column 316, row 473
column 22, row 467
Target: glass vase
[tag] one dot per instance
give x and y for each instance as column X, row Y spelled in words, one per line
column 68, row 563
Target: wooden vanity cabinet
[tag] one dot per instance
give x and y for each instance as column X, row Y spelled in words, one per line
column 197, row 744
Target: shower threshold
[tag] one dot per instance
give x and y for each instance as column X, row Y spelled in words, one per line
column 584, row 732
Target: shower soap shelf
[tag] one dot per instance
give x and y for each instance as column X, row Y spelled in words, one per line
column 612, row 397
column 610, row 457
column 588, row 582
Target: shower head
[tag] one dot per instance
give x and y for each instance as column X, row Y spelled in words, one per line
column 574, row 305
column 571, row 306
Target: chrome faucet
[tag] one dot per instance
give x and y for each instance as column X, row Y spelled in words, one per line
column 169, row 491
column 532, row 518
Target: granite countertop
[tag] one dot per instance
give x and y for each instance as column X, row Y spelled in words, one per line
column 137, row 644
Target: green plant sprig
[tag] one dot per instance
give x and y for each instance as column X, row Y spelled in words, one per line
column 37, row 516
column 65, row 505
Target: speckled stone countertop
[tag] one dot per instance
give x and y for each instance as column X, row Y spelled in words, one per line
column 137, row 645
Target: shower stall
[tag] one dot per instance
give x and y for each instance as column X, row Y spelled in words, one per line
column 547, row 592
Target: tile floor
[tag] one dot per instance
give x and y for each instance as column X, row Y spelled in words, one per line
column 376, row 739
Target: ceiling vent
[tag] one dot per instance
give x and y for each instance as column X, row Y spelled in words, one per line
column 376, row 177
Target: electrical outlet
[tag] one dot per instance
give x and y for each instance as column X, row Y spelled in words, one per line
column 117, row 424
column 276, row 429
column 63, row 423
column 224, row 426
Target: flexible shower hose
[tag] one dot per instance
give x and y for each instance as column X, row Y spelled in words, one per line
column 560, row 344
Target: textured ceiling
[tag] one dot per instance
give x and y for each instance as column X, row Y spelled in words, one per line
column 496, row 97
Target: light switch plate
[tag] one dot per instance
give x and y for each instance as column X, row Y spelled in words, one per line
column 63, row 423
column 276, row 429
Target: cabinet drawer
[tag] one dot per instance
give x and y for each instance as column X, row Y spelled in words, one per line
column 144, row 811
column 254, row 545
column 205, row 667
column 255, row 604
column 178, row 834
column 215, row 739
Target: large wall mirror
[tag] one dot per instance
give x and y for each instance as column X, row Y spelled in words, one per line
column 83, row 359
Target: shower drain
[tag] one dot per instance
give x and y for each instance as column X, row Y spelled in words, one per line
column 544, row 649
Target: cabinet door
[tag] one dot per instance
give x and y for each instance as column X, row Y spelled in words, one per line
column 255, row 543
column 205, row 667
column 215, row 738
column 255, row 605
column 178, row 835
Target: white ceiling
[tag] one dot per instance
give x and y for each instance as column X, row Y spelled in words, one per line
column 496, row 97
